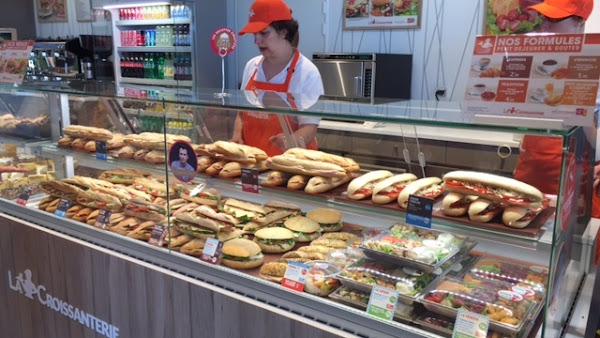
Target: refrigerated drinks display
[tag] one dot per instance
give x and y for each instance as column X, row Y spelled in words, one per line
column 153, row 46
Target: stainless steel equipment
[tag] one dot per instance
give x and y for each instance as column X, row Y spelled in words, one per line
column 50, row 61
column 365, row 77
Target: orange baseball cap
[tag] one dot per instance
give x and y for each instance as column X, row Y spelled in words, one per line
column 558, row 9
column 263, row 13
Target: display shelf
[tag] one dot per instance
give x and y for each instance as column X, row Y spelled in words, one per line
column 154, row 22
column 89, row 160
column 153, row 82
column 24, row 143
column 175, row 49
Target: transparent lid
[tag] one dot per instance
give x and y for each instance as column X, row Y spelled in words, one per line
column 495, row 299
column 405, row 280
column 527, row 275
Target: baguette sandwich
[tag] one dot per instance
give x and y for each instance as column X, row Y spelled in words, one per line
column 497, row 188
column 455, row 204
column 92, row 133
column 347, row 163
column 298, row 166
column 483, row 210
column 140, row 208
column 387, row 190
column 362, row 187
column 519, row 217
column 319, row 184
column 425, row 187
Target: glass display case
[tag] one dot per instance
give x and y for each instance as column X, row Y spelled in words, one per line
column 155, row 178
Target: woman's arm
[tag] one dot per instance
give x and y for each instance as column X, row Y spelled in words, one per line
column 305, row 132
column 237, row 130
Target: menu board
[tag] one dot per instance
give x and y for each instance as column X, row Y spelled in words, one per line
column 535, row 76
column 14, row 60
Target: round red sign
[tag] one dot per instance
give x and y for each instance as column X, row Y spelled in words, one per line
column 223, row 41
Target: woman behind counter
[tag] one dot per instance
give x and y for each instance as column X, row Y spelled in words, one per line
column 281, row 68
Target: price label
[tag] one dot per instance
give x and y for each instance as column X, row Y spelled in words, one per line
column 382, row 303
column 470, row 325
column 250, row 180
column 24, row 196
column 295, row 276
column 62, row 208
column 158, row 234
column 101, row 150
column 103, row 218
column 419, row 211
column 211, row 251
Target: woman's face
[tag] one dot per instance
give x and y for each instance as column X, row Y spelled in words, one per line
column 269, row 42
column 572, row 24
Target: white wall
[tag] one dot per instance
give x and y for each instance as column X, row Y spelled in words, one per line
column 448, row 29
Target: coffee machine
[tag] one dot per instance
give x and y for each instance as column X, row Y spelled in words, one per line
column 51, row 61
column 96, row 61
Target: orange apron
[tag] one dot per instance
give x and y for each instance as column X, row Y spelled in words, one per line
column 539, row 162
column 258, row 127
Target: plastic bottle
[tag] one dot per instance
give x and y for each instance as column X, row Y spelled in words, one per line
column 161, row 67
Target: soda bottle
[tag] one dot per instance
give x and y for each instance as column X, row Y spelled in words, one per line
column 168, row 67
column 161, row 67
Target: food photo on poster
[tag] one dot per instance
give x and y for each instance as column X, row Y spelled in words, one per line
column 511, row 17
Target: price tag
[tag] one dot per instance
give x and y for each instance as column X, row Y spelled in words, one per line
column 62, row 208
column 157, row 235
column 419, row 211
column 103, row 218
column 295, row 276
column 101, row 150
column 211, row 251
column 250, row 180
column 24, row 196
column 470, row 325
column 382, row 303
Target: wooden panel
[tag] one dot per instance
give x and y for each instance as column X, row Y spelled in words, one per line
column 140, row 301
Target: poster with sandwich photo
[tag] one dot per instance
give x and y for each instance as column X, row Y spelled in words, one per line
column 51, row 10
column 504, row 17
column 382, row 14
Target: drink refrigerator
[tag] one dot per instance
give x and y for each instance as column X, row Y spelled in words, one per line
column 154, row 48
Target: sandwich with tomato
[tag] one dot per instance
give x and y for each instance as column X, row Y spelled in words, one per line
column 519, row 217
column 241, row 253
column 387, row 190
column 497, row 188
column 210, row 197
column 483, row 210
column 362, row 187
column 145, row 210
column 429, row 187
column 122, row 176
column 455, row 204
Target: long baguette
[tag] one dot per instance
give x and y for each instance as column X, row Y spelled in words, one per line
column 347, row 163
column 305, row 167
column 318, row 184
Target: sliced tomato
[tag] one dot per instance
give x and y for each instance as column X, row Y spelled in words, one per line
column 391, row 194
column 364, row 191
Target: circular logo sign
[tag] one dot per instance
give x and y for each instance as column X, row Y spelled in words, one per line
column 223, row 41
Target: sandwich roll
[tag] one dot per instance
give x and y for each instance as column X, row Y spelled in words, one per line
column 319, row 184
column 82, row 215
column 225, row 236
column 303, row 228
column 93, row 133
column 426, row 187
column 519, row 217
column 362, row 187
column 387, row 190
column 145, row 210
column 329, row 220
column 241, row 253
column 140, row 154
column 125, row 226
column 347, row 163
column 73, row 210
column 65, row 142
column 193, row 247
column 455, row 204
column 483, row 210
column 79, row 143
column 215, row 168
column 209, row 197
column 493, row 187
column 276, row 178
column 275, row 239
column 231, row 169
column 278, row 205
column 298, row 166
column 203, row 163
column 176, row 241
column 45, row 202
column 185, row 208
column 297, row 182
column 90, row 146
column 155, row 157
column 122, row 176
column 125, row 152
column 273, row 271
column 53, row 205
column 142, row 231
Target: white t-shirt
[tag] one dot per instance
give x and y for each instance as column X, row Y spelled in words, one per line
column 306, row 84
